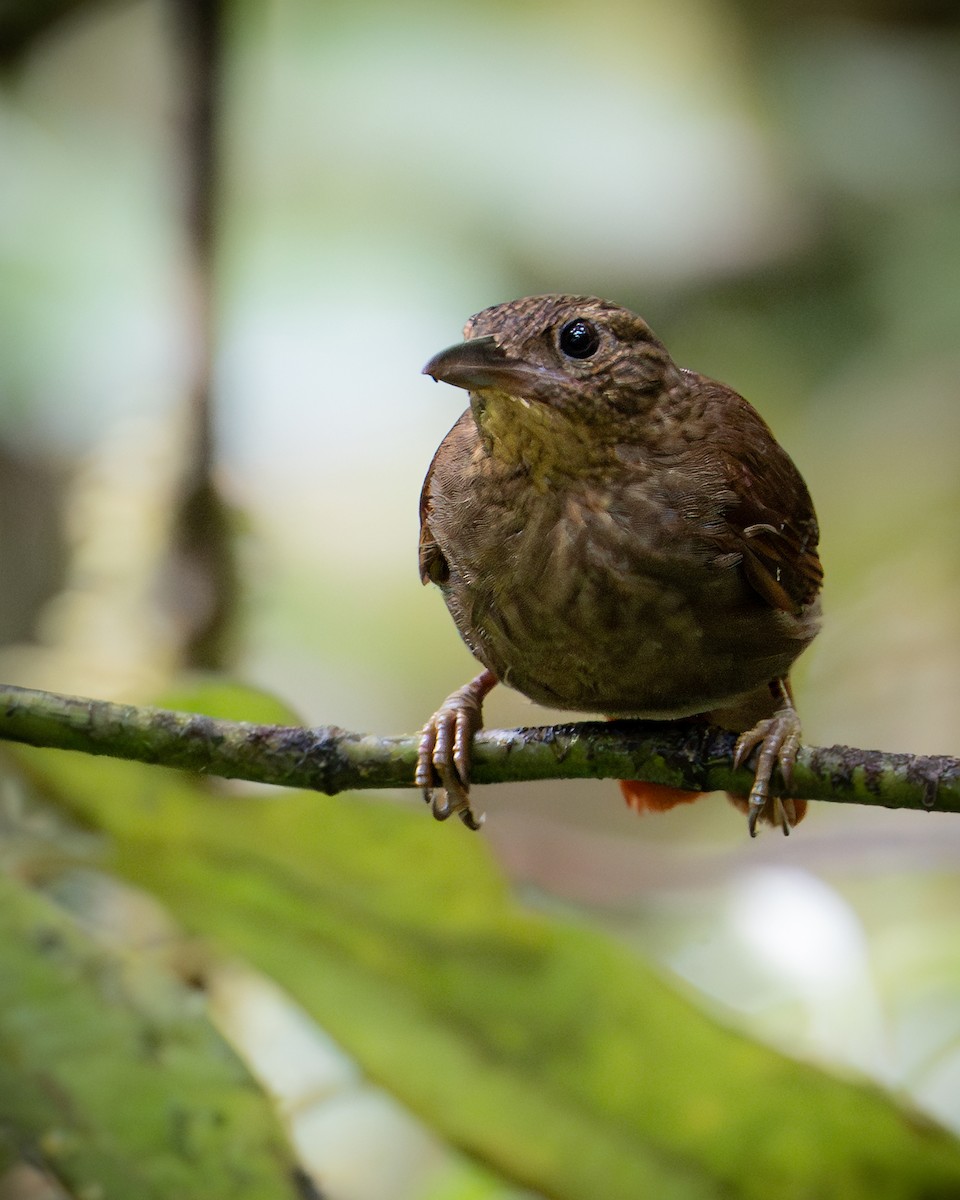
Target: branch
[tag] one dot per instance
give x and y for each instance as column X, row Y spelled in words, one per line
column 680, row 753
column 201, row 571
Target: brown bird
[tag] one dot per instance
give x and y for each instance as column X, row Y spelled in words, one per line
column 614, row 534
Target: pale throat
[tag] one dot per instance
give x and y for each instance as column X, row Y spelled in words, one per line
column 536, row 436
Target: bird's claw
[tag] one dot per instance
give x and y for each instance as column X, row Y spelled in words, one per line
column 443, row 754
column 778, row 739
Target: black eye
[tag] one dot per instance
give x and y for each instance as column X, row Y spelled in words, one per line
column 579, row 339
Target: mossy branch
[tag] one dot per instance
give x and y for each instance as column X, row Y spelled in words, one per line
column 683, row 754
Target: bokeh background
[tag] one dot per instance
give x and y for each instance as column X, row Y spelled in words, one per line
column 776, row 187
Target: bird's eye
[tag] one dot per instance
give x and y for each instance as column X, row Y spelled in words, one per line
column 579, row 339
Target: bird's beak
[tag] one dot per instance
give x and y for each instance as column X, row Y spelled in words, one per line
column 480, row 363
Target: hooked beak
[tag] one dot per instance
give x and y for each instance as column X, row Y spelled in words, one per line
column 480, row 363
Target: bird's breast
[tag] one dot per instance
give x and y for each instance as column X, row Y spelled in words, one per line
column 604, row 598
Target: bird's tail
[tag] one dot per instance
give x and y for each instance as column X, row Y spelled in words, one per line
column 645, row 797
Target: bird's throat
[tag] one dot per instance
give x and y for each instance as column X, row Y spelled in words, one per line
column 535, row 436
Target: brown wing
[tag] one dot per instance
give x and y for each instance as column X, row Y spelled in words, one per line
column 433, row 563
column 771, row 523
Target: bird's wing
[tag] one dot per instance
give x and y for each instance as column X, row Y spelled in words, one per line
column 770, row 521
column 452, row 452
column 433, row 565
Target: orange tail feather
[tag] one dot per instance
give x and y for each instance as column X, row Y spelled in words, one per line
column 654, row 797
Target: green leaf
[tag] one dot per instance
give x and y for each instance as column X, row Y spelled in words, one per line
column 541, row 1048
column 113, row 1079
column 215, row 696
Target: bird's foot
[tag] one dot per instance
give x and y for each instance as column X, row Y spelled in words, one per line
column 443, row 755
column 778, row 739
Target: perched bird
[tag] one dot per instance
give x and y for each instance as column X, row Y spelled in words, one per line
column 614, row 534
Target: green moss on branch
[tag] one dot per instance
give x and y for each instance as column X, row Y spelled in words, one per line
column 329, row 759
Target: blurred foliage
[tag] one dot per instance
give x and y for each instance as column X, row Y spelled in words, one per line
column 112, row 1077
column 23, row 22
column 534, row 1044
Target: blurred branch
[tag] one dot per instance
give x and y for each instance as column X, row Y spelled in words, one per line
column 679, row 753
column 201, row 575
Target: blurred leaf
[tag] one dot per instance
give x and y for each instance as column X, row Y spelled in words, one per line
column 214, row 696
column 539, row 1047
column 111, row 1076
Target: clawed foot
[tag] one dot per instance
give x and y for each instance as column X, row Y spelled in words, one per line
column 443, row 756
column 778, row 738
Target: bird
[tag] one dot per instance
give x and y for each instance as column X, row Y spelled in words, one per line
column 614, row 534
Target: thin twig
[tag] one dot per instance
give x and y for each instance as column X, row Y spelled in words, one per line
column 684, row 754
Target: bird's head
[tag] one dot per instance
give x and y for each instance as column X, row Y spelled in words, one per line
column 556, row 382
